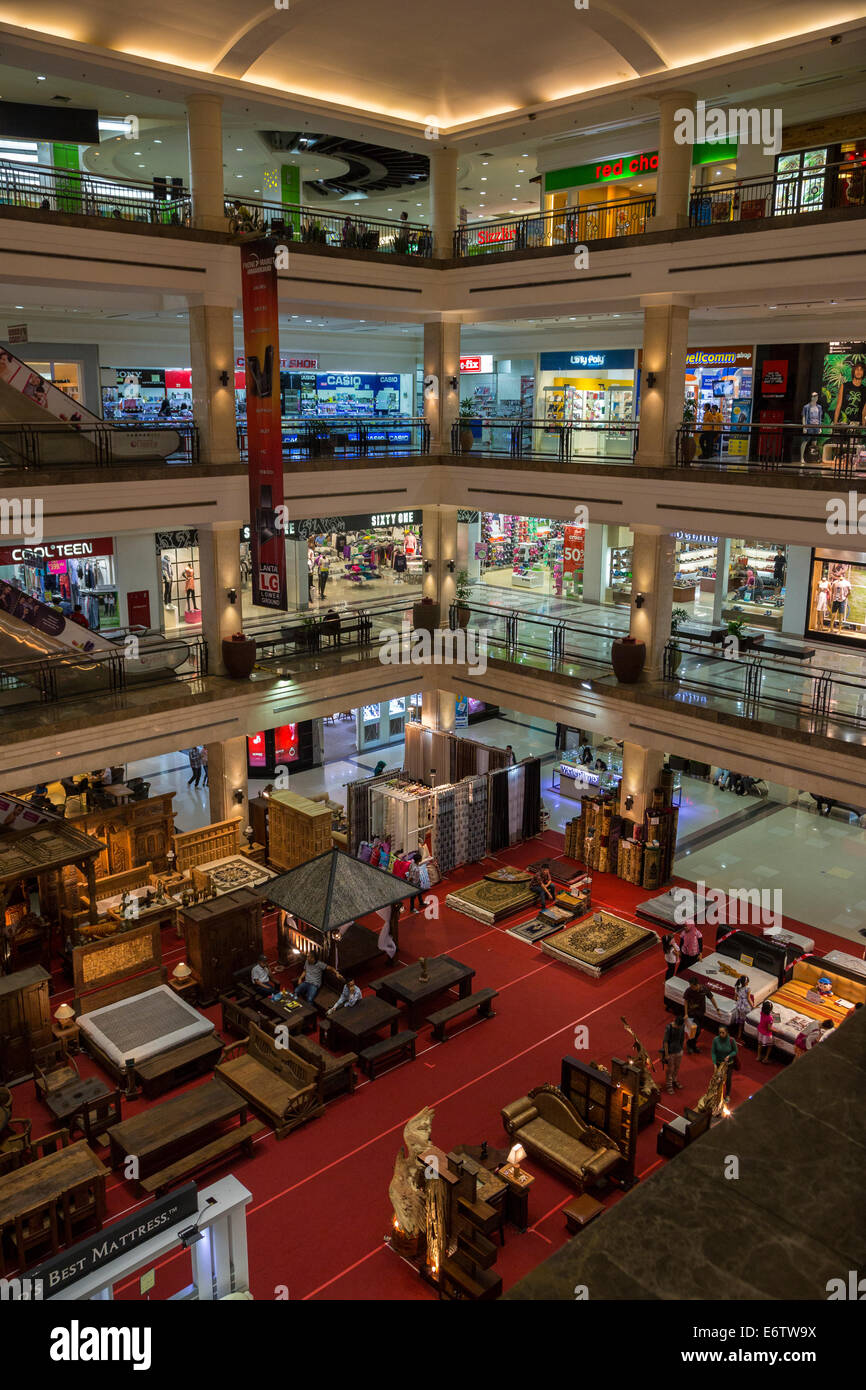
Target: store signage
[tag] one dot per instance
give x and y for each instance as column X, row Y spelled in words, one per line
column 286, row 744
column 16, row 333
column 178, row 378
column 573, row 543
column 264, row 424
column 720, row 357
column 389, row 519
column 774, row 377
column 54, row 550
column 626, row 166
column 696, row 538
column 287, row 364
column 579, row 774
column 489, row 236
column 141, row 376
column 617, row 359
column 482, row 363
column 103, row 1246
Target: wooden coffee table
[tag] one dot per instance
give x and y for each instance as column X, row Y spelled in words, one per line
column 301, row 1019
column 67, row 1103
column 406, row 986
column 174, row 1127
column 358, row 1026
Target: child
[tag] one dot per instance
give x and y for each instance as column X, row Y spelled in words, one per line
column 745, row 1002
column 765, row 1032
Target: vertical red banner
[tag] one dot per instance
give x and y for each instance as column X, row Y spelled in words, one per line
column 264, row 424
column 573, row 543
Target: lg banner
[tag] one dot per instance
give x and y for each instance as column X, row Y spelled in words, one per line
column 262, row 354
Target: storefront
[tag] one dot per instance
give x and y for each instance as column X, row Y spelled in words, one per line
column 719, row 380
column 837, row 597
column 594, row 391
column 180, row 576
column 695, row 562
column 70, row 572
column 498, row 388
column 524, row 553
column 756, row 579
column 825, row 176
column 289, row 747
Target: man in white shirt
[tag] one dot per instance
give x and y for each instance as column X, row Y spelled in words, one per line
column 351, row 995
column 260, row 977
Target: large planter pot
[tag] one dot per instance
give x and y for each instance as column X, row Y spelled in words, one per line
column 425, row 615
column 627, row 656
column 688, row 447
column 467, row 439
column 239, row 658
column 463, row 616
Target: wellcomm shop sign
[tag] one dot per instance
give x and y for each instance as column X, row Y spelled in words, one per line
column 629, row 166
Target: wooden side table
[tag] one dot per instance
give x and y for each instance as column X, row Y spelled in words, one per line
column 185, row 989
column 67, row 1033
column 517, row 1182
column 580, row 1211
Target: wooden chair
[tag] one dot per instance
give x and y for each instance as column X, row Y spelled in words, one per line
column 50, row 1143
column 98, row 1116
column 80, row 1208
column 35, row 1229
column 52, row 1068
column 15, row 1148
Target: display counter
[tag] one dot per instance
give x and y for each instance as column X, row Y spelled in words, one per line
column 573, row 780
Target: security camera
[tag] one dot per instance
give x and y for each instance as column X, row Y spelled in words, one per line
column 532, row 117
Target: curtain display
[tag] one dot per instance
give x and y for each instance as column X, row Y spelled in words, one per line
column 443, row 829
column 531, row 798
column 516, row 781
column 476, row 834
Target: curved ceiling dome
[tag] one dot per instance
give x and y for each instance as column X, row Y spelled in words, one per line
column 368, row 168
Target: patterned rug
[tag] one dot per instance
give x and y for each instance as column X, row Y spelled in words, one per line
column 489, row 901
column 534, row 930
column 599, row 942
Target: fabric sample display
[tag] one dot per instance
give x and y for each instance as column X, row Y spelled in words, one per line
column 497, row 836
column 531, row 798
column 515, row 783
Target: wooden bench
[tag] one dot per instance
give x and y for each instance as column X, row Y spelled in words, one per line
column 401, row 1045
column 277, row 1082
column 180, row 1064
column 482, row 1000
column 240, row 1136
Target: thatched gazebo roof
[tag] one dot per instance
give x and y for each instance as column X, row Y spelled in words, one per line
column 333, row 889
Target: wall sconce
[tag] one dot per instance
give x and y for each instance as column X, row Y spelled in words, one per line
column 629, row 802
column 451, row 566
column 452, row 382
column 428, row 565
column 232, row 595
column 239, row 796
column 651, row 378
column 224, row 378
column 639, row 600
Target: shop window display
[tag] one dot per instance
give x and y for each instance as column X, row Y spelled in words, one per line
column 756, row 583
column 837, row 597
column 67, row 573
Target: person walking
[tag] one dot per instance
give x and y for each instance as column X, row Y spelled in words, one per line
column 194, row 755
column 725, row 1049
column 765, row 1031
column 745, row 1001
column 672, row 955
column 203, row 751
column 324, row 573
column 695, row 1004
column 691, row 945
column 672, row 1052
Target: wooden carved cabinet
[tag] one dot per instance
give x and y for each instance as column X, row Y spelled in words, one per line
column 223, row 935
column 25, row 1020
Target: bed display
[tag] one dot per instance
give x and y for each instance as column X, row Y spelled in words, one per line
column 855, row 965
column 814, row 992
column 490, row 900
column 599, row 942
column 143, row 1026
column 720, row 973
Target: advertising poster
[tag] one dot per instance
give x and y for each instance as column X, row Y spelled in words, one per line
column 286, row 744
column 256, row 754
column 262, row 356
column 461, row 712
column 573, row 543
column 843, row 386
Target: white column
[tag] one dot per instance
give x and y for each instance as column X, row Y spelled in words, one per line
column 439, row 711
column 220, row 569
column 473, row 538
column 137, row 565
column 441, row 366
column 675, row 164
column 227, row 774
column 797, row 579
column 594, row 577
column 443, row 200
column 212, row 352
column 641, row 773
column 439, row 549
column 297, row 572
column 652, row 576
column 205, row 137
column 723, row 564
column 665, row 343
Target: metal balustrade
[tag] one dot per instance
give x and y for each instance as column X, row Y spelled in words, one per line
column 348, row 437
column 57, row 444
column 76, row 675
column 53, row 191
column 563, row 227
column 337, row 231
column 545, row 439
column 837, row 451
column 778, row 195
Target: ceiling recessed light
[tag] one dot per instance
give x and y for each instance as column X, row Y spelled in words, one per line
column 40, row 78
column 157, row 142
column 239, row 148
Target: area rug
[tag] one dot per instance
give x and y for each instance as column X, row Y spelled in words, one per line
column 534, row 930
column 488, row 901
column 562, row 871
column 599, row 942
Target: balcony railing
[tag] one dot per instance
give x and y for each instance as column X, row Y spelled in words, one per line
column 349, row 437
column 54, row 679
column 543, row 439
column 777, row 195
column 564, row 227
column 833, row 450
column 338, row 231
column 54, row 444
column 63, row 191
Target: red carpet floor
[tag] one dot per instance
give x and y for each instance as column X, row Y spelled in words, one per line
column 320, row 1212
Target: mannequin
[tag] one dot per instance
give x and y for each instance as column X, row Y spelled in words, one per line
column 167, row 579
column 189, row 587
column 839, row 604
column 811, row 416
column 822, row 602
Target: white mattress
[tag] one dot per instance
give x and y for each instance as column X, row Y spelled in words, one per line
column 786, row 1025
column 855, row 964
column 722, row 1007
column 144, row 1026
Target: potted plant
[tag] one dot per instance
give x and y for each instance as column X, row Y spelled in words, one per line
column 627, row 656
column 678, row 616
column 425, row 614
column 467, row 420
column 462, row 592
column 239, row 656
column 688, row 435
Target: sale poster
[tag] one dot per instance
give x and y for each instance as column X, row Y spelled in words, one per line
column 573, row 546
column 264, row 426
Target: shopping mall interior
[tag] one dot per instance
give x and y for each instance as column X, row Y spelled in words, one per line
column 432, row 656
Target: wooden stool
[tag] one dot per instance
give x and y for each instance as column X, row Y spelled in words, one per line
column 580, row 1211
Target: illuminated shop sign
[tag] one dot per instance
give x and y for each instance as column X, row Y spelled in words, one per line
column 722, row 357
column 287, row 364
column 695, row 538
column 617, row 359
column 55, row 550
column 480, row 363
column 488, row 236
column 626, row 166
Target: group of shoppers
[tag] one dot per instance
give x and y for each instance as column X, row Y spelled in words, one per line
column 197, row 764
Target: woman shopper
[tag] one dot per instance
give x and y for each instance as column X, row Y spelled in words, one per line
column 725, row 1049
column 691, row 945
column 672, row 955
column 745, row 1001
column 765, row 1031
